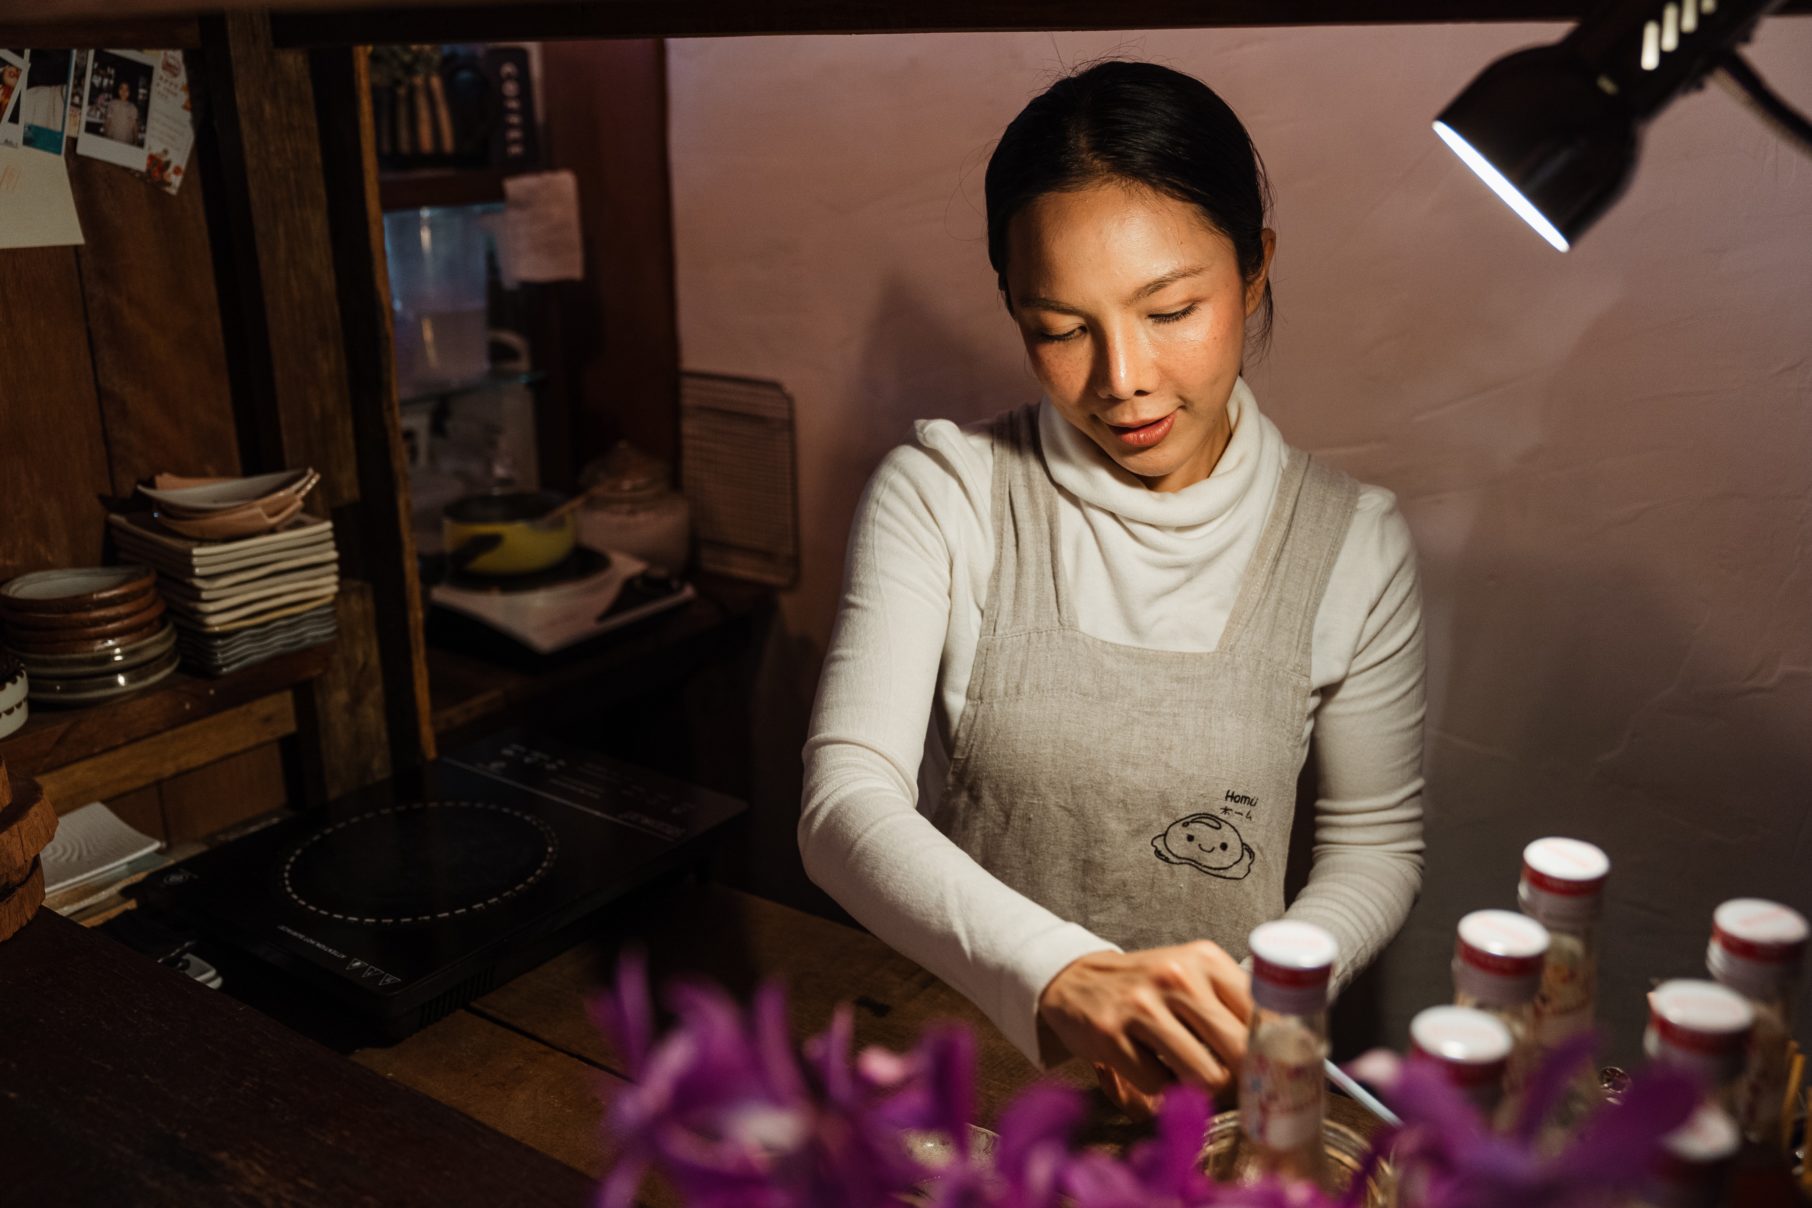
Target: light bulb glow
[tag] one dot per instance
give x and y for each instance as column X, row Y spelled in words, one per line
column 1651, row 46
column 1500, row 184
column 1670, row 28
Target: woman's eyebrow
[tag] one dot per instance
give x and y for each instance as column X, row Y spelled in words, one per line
column 1144, row 291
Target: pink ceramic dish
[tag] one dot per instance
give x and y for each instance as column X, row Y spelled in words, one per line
column 195, row 497
column 236, row 524
column 76, row 589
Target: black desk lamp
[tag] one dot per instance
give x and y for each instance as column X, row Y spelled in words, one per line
column 1553, row 129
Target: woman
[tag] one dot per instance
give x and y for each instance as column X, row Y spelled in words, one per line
column 1125, row 611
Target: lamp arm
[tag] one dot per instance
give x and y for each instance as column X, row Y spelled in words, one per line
column 1742, row 82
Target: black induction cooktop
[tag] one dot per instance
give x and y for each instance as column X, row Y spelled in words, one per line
column 409, row 899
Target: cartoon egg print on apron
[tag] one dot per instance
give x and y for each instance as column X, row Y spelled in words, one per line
column 1146, row 794
column 1204, row 842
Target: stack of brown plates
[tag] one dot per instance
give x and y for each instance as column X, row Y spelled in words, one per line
column 27, row 823
column 88, row 633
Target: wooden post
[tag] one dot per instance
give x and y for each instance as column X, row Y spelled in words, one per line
column 298, row 274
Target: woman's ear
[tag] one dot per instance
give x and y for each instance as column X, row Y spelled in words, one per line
column 1255, row 288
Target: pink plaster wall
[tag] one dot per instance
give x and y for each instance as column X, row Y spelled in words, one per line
column 1606, row 457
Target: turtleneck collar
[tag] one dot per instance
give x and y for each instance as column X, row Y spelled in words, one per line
column 1079, row 466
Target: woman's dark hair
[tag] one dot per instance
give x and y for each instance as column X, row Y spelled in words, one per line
column 1142, row 124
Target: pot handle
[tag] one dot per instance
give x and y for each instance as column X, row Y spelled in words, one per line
column 460, row 558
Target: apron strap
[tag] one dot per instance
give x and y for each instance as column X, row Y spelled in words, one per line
column 1023, row 583
column 1284, row 584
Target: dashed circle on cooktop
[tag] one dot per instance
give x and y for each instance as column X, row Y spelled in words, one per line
column 420, row 862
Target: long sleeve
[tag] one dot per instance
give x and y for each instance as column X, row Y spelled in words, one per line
column 861, row 835
column 1367, row 747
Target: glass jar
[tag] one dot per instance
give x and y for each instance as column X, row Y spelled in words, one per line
column 631, row 508
column 1756, row 949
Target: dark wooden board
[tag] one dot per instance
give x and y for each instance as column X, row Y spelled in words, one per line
column 54, row 738
column 100, row 24
column 129, row 1083
column 154, row 325
column 371, row 21
column 223, row 793
column 52, row 456
column 605, row 120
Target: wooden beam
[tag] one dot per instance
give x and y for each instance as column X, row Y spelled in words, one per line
column 562, row 19
column 355, row 219
column 104, row 25
column 281, row 304
column 182, row 749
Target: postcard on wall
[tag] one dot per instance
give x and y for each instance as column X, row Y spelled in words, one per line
column 171, row 131
column 12, row 131
column 78, row 76
column 12, row 74
column 117, row 106
column 37, row 207
column 44, row 102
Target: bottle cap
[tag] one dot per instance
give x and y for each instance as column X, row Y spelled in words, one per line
column 1292, row 964
column 1562, row 881
column 1497, row 957
column 1698, row 1026
column 1471, row 1047
column 1756, row 946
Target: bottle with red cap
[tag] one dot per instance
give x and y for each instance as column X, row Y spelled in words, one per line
column 1470, row 1049
column 1282, row 1095
column 1756, row 949
column 1562, row 888
column 1497, row 966
column 1703, row 1029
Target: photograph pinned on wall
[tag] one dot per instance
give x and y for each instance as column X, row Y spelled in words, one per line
column 12, row 75
column 44, row 101
column 12, row 128
column 116, row 114
column 78, row 77
column 170, row 133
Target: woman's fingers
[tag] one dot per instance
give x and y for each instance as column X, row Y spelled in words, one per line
column 1136, row 1062
column 1231, row 984
column 1180, row 1050
column 1217, row 1027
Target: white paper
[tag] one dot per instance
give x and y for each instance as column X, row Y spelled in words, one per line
column 540, row 238
column 172, row 129
column 37, row 208
column 116, row 106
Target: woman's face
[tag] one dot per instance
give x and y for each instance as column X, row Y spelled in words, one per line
column 1134, row 316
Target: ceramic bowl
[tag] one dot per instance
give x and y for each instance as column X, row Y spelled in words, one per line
column 98, row 615
column 87, row 689
column 200, row 496
column 249, row 522
column 15, row 686
column 97, row 662
column 18, row 644
column 24, row 631
column 77, row 589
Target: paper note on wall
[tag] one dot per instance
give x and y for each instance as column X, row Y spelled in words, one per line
column 37, row 208
column 172, row 130
column 540, row 239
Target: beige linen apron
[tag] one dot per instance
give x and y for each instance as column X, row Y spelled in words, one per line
column 1145, row 794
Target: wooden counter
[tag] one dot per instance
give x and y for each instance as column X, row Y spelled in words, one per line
column 123, row 1082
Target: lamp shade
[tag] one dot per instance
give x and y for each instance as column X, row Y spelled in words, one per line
column 1550, row 137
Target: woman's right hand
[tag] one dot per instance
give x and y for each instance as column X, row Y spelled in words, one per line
column 1152, row 1017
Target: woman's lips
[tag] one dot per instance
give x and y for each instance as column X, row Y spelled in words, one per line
column 1143, row 436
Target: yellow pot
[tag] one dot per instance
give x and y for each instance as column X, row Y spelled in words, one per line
column 503, row 533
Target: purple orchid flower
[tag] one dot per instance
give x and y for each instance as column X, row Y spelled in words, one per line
column 1450, row 1158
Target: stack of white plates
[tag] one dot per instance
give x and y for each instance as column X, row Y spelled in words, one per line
column 239, row 602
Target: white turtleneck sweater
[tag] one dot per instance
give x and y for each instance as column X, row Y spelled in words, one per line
column 1152, row 569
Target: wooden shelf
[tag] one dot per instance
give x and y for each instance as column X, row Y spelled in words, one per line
column 181, row 723
column 440, row 187
column 479, row 680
